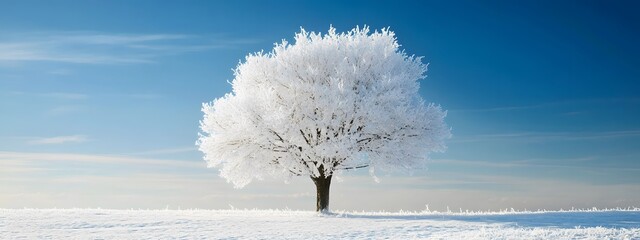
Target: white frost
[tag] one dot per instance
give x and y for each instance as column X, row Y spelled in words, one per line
column 326, row 103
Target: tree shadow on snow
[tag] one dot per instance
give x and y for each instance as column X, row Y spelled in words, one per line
column 608, row 219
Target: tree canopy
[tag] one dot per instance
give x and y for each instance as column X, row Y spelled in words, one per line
column 326, row 103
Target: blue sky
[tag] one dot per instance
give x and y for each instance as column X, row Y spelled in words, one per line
column 100, row 102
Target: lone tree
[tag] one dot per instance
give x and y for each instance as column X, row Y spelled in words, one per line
column 324, row 104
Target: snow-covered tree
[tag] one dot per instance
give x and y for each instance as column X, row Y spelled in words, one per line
column 326, row 103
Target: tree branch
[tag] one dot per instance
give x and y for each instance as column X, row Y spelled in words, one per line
column 305, row 137
column 356, row 167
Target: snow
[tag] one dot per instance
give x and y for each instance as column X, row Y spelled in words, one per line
column 287, row 224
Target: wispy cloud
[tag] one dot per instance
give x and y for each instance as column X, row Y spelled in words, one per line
column 63, row 95
column 114, row 39
column 80, row 96
column 62, row 52
column 549, row 104
column 498, row 109
column 567, row 163
column 145, row 96
column 58, row 95
column 549, row 136
column 59, row 140
column 8, row 157
column 166, row 151
column 105, row 48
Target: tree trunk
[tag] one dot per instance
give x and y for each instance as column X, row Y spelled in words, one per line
column 322, row 192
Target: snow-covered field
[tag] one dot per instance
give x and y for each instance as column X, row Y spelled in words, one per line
column 276, row 224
